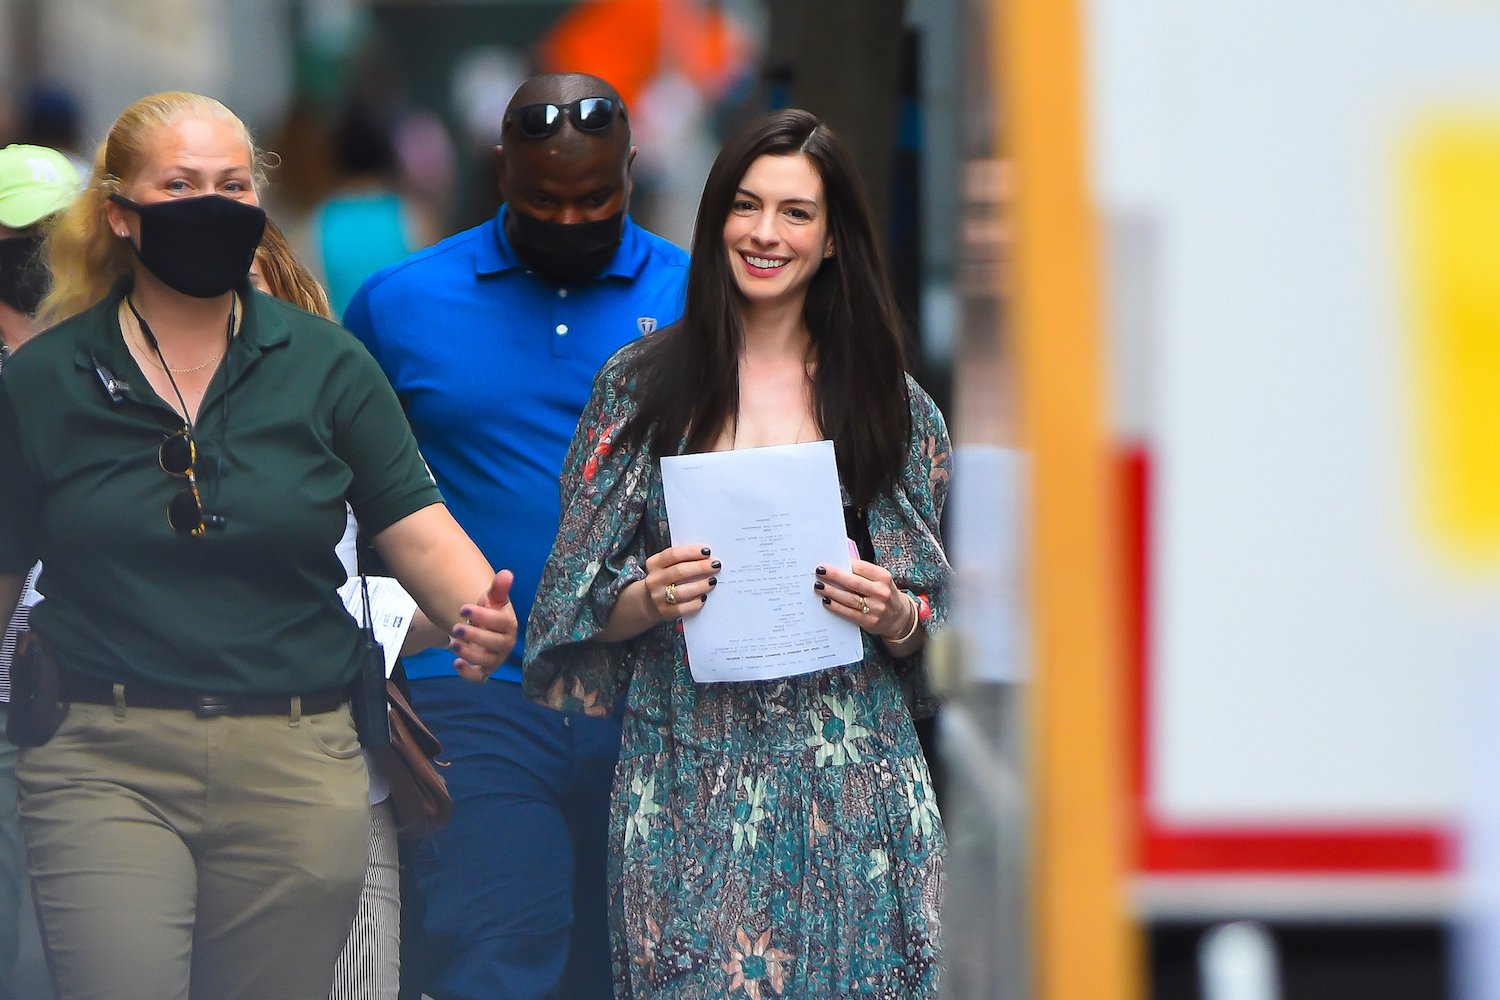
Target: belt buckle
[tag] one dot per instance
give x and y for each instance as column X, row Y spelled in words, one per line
column 210, row 706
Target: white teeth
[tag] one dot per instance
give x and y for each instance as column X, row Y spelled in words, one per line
column 764, row 261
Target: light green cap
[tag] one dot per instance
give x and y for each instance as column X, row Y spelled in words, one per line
column 35, row 181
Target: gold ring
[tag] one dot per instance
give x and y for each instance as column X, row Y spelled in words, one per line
column 671, row 593
column 864, row 605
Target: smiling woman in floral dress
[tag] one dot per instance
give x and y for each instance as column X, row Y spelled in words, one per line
column 770, row 838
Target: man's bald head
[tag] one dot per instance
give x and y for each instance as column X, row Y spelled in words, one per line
column 560, row 89
column 567, row 193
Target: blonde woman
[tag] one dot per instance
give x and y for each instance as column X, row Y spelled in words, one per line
column 179, row 451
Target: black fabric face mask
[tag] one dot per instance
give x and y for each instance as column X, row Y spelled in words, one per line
column 566, row 252
column 23, row 274
column 201, row 246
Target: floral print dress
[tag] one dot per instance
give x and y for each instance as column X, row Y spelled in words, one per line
column 770, row 838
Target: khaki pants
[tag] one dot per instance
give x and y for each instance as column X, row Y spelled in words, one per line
column 175, row 857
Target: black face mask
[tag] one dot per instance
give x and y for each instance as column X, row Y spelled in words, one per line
column 202, row 246
column 23, row 273
column 566, row 252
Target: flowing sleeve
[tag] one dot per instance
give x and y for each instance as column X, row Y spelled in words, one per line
column 598, row 552
column 905, row 531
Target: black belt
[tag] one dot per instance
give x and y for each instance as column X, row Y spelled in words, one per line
column 139, row 694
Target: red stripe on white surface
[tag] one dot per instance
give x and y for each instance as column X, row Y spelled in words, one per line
column 1163, row 848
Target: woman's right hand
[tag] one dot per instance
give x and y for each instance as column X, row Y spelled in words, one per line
column 679, row 580
column 677, row 583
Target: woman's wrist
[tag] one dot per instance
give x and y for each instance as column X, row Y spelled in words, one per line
column 629, row 619
column 911, row 629
column 652, row 611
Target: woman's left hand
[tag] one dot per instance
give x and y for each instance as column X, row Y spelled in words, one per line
column 487, row 633
column 867, row 596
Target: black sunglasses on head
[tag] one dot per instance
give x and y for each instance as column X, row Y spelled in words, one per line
column 589, row 114
column 177, row 456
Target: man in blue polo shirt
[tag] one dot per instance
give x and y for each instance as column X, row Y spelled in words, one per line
column 491, row 339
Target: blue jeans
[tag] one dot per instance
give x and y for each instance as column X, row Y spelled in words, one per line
column 513, row 890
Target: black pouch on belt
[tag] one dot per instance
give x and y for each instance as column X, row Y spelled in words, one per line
column 367, row 696
column 36, row 705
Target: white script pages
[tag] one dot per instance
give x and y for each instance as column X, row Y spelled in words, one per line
column 391, row 609
column 771, row 516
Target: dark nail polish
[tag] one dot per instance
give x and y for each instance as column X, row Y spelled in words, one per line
column 458, row 630
column 827, row 600
column 819, row 586
column 706, row 551
column 713, row 581
column 466, row 612
column 716, row 564
column 703, row 599
column 822, row 570
column 455, row 646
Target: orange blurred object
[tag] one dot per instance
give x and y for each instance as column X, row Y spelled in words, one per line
column 631, row 42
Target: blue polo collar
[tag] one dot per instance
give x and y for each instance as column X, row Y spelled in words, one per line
column 494, row 256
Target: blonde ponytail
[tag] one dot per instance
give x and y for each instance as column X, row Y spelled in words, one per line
column 85, row 257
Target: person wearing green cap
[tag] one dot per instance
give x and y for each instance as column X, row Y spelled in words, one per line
column 35, row 183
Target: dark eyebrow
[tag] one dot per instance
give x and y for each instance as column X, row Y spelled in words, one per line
column 790, row 201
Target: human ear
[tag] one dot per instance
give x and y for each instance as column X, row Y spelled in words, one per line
column 119, row 223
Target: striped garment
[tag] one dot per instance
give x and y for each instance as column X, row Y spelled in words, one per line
column 370, row 966
column 18, row 622
column 22, row 613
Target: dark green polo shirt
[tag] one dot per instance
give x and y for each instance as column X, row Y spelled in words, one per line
column 298, row 419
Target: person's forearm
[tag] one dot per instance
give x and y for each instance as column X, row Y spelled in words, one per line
column 634, row 613
column 677, row 583
column 422, row 634
column 437, row 564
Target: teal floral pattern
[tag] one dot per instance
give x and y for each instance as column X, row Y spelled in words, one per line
column 835, row 739
column 771, row 839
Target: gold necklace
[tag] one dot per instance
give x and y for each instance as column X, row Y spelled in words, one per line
column 187, row 371
column 161, row 366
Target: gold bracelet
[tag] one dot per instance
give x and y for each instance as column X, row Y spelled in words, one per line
column 916, row 620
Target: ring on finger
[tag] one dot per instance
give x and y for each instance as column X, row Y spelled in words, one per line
column 864, row 605
column 671, row 593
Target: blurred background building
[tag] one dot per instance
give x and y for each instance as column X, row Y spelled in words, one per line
column 1211, row 295
column 430, row 81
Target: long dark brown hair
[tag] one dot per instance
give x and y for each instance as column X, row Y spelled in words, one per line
column 687, row 376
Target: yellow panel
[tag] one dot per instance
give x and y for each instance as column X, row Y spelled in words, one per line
column 1452, row 202
column 1085, row 945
